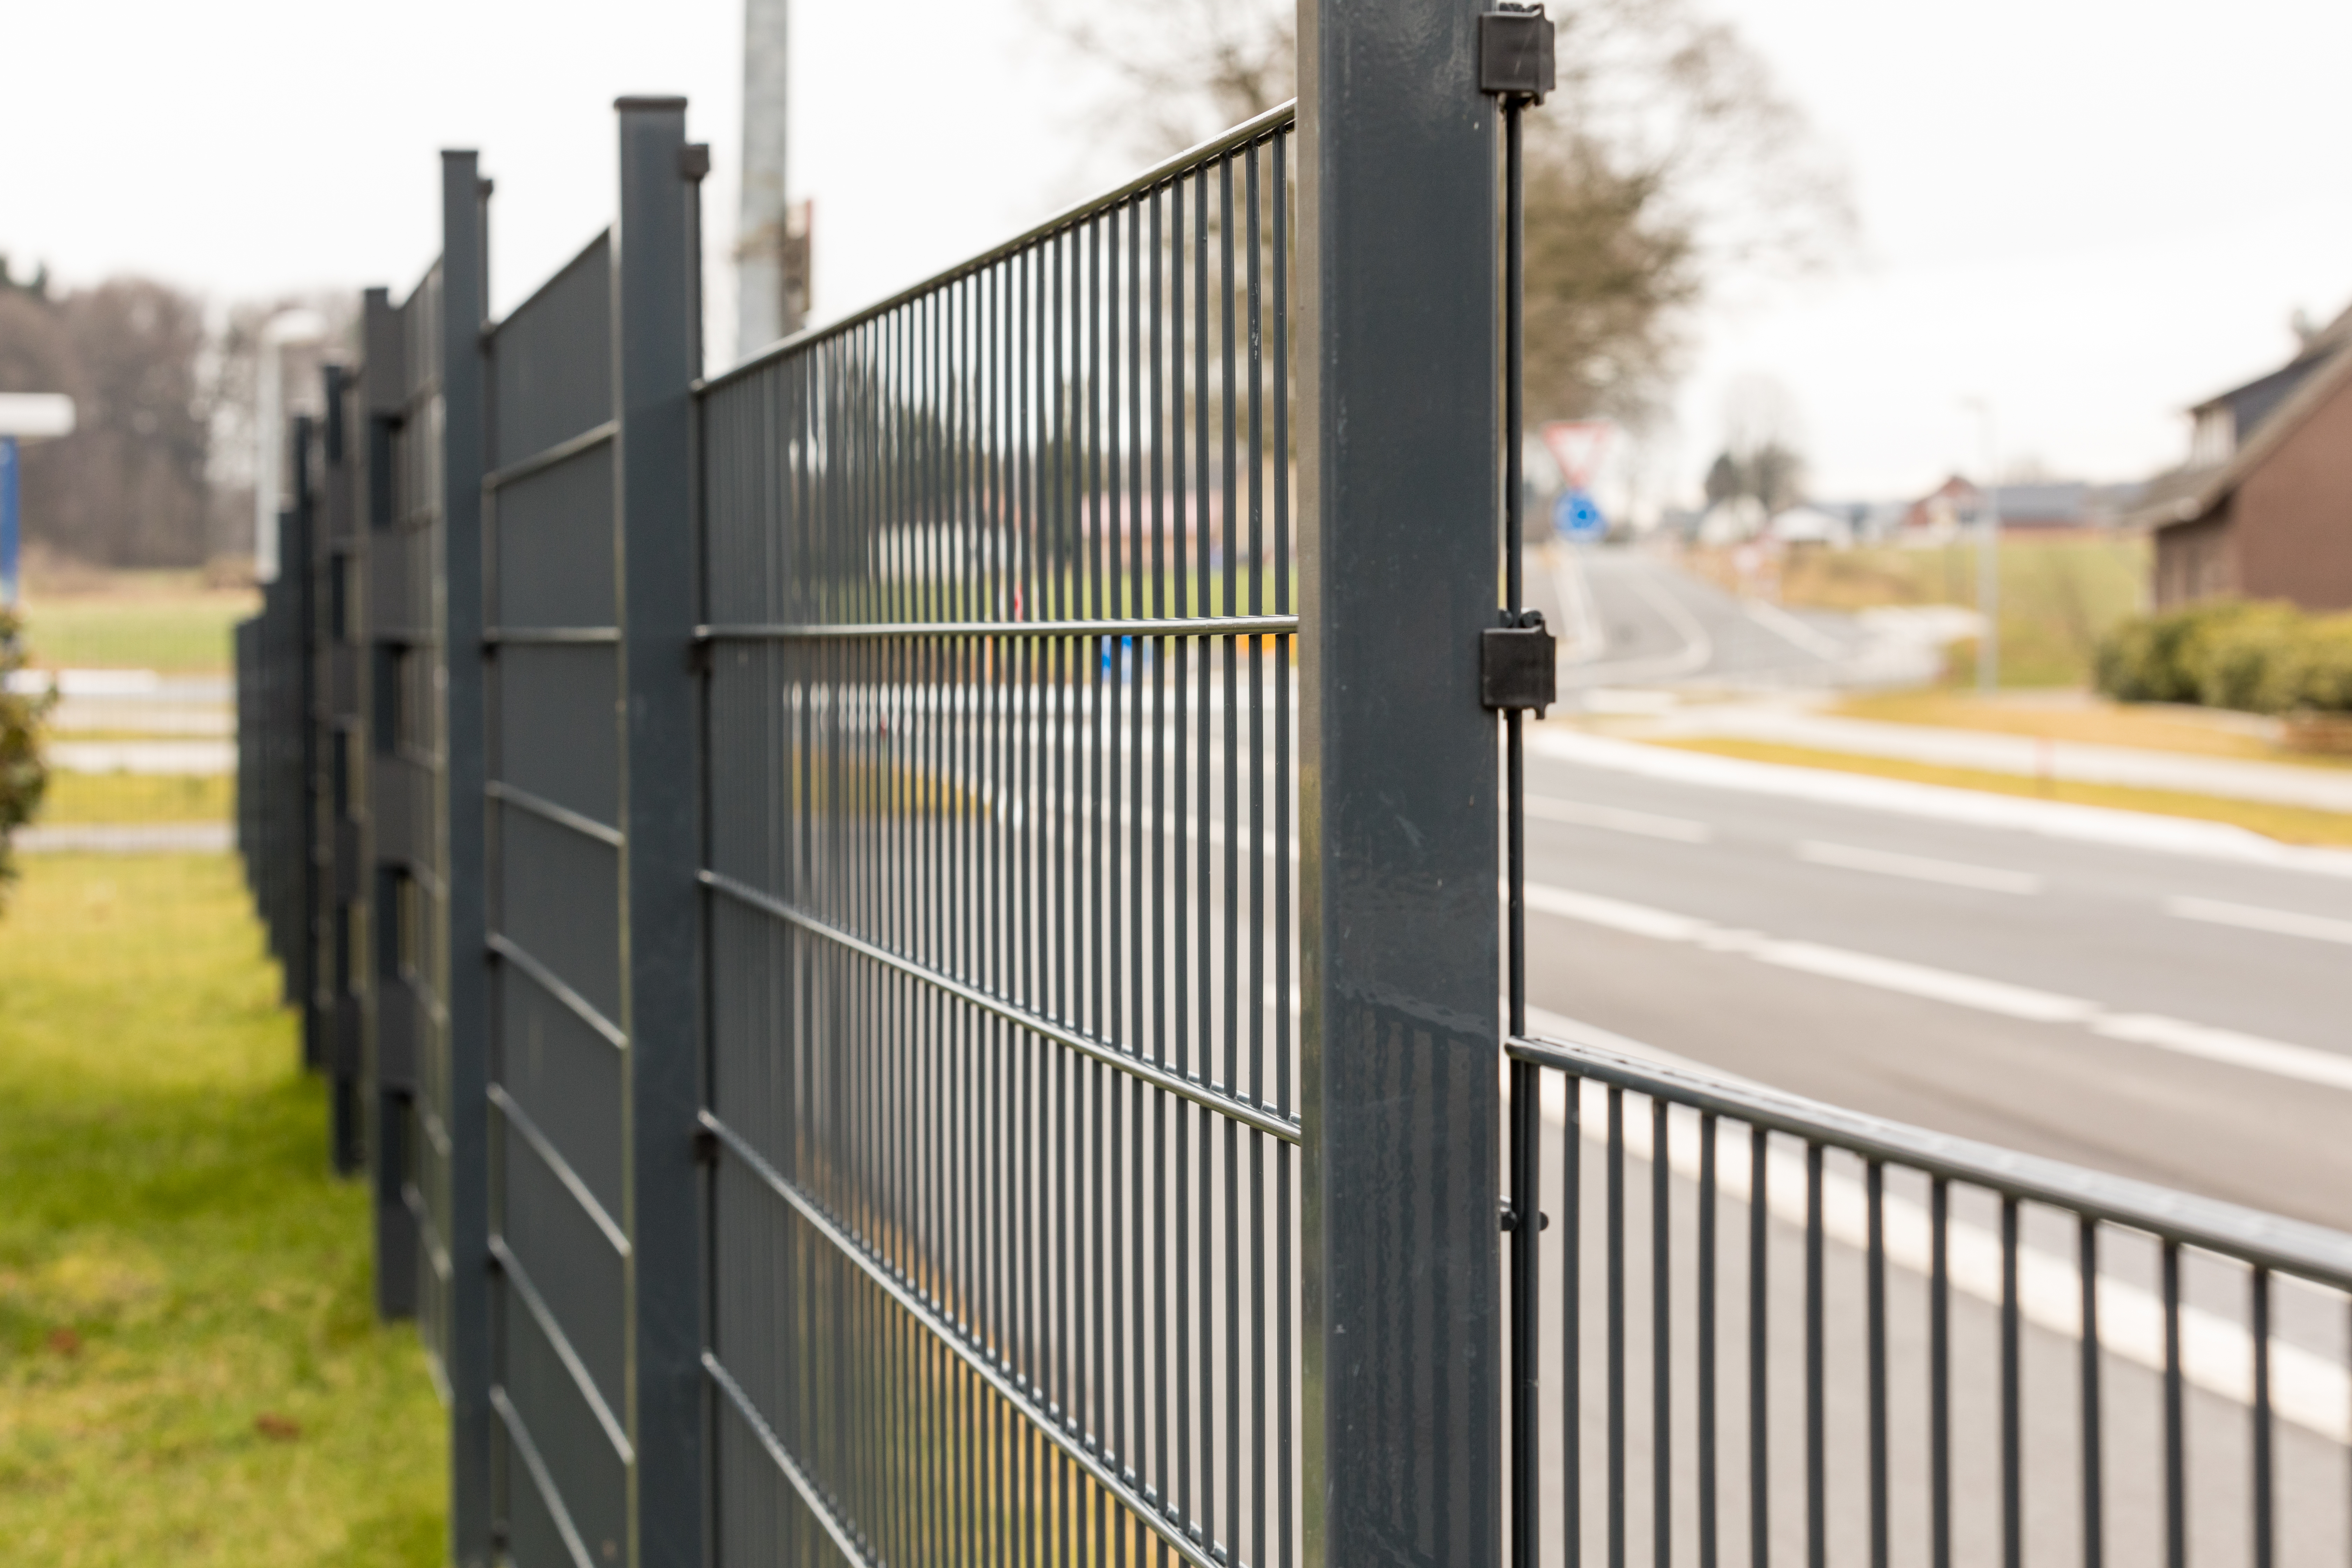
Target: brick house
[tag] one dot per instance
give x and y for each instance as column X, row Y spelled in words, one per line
column 2262, row 509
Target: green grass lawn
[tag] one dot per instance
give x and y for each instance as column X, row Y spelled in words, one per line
column 2058, row 596
column 136, row 797
column 190, row 1371
column 166, row 626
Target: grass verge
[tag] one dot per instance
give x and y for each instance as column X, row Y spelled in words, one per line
column 190, row 1371
column 171, row 627
column 136, row 797
column 2288, row 824
column 2058, row 596
column 2090, row 720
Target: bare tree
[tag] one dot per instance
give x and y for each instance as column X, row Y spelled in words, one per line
column 126, row 487
column 1667, row 163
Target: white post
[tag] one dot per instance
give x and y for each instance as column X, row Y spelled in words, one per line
column 282, row 330
column 1989, row 560
column 762, row 314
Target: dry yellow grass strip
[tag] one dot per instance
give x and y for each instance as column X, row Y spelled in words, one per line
column 2287, row 823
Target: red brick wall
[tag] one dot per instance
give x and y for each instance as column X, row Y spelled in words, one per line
column 2293, row 515
column 2196, row 561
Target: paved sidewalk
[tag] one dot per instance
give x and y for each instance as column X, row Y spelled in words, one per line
column 2028, row 756
column 126, row 838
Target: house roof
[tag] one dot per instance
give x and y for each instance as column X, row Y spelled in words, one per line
column 2187, row 494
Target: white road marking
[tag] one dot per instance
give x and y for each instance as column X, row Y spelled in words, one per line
column 1920, row 867
column 2276, row 1057
column 1789, row 628
column 1639, row 919
column 2273, row 1057
column 1941, row 803
column 2216, row 1354
column 2251, row 916
column 1681, row 830
column 1935, row 984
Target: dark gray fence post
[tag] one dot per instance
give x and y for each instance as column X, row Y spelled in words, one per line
column 1402, row 1049
column 465, row 307
column 656, row 355
column 388, row 1065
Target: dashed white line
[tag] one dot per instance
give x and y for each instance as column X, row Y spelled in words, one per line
column 2228, row 1047
column 1920, row 868
column 1649, row 824
column 2253, row 917
column 2273, row 1057
column 1935, row 984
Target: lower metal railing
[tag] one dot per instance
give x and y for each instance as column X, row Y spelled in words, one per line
column 1861, row 1337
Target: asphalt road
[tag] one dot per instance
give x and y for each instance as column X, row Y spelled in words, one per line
column 1631, row 619
column 2179, row 1019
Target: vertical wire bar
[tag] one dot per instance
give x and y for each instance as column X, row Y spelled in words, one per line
column 1616, row 1327
column 2012, row 1397
column 1527, row 1126
column 1282, row 821
column 1817, row 1544
column 2176, row 1454
column 1939, row 1373
column 1875, row 1176
column 1707, row 1347
column 1661, row 1357
column 2086, row 1241
column 1571, row 1314
column 2265, row 1516
column 1759, row 1473
column 1527, row 1190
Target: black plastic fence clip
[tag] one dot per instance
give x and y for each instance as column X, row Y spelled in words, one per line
column 1515, row 53
column 1519, row 664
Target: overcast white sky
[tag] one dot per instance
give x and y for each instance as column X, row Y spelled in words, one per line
column 2092, row 213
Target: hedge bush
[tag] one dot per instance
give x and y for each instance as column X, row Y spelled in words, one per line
column 2258, row 658
column 22, row 774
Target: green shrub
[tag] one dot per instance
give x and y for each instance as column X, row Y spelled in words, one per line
column 2257, row 657
column 22, row 774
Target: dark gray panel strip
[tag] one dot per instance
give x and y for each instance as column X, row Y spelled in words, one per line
column 540, row 1478
column 519, row 1281
column 814, row 1499
column 549, row 637
column 1168, row 1528
column 1257, row 1117
column 549, row 983
column 563, row 816
column 563, row 451
column 553, row 1158
column 1173, row 627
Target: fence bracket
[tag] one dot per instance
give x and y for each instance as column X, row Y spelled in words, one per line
column 1517, row 664
column 1515, row 53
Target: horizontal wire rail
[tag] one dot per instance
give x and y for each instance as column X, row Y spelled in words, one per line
column 2096, row 1322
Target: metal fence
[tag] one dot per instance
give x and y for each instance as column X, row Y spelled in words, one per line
column 1766, row 1328
column 920, row 924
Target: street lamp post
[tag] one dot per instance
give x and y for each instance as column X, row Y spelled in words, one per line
column 1988, row 554
column 279, row 333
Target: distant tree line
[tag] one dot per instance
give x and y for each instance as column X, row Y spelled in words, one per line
column 158, row 469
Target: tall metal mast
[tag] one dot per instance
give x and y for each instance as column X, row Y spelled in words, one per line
column 771, row 257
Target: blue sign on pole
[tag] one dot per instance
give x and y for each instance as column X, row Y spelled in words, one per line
column 8, row 519
column 1576, row 516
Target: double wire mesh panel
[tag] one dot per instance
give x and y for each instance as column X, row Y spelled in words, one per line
column 407, row 790
column 1752, row 1329
column 999, row 888
column 558, row 1065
